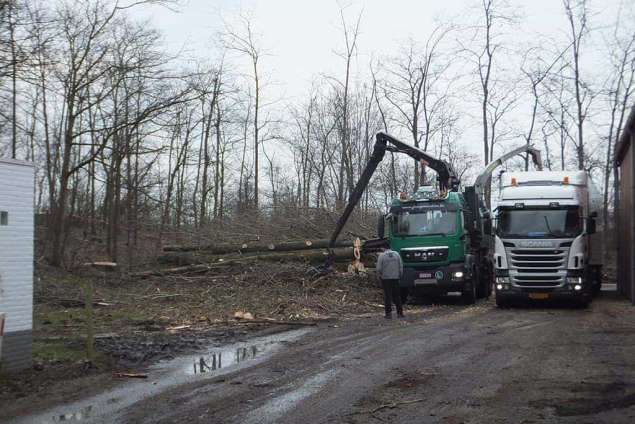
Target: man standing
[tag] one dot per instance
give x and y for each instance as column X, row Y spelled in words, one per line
column 390, row 271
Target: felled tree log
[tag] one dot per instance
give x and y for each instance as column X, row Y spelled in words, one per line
column 342, row 254
column 189, row 269
column 226, row 248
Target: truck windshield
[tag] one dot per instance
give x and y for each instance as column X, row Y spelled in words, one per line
column 543, row 223
column 425, row 222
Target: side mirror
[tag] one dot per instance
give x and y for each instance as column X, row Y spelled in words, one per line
column 591, row 225
column 381, row 226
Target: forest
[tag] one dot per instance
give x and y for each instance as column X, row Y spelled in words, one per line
column 136, row 146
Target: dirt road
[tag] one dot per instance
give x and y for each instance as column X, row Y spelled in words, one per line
column 449, row 364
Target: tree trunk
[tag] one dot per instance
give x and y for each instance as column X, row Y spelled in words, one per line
column 219, row 249
column 256, row 134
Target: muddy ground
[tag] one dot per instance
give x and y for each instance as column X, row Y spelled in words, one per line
column 140, row 322
column 460, row 364
column 443, row 364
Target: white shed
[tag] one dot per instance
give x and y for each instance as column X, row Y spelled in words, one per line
column 16, row 262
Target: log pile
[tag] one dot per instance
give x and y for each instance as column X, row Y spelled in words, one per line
column 227, row 248
column 311, row 256
column 204, row 258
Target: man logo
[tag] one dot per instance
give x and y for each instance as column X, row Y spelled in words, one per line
column 438, row 275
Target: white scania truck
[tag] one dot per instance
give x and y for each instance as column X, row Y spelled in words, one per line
column 548, row 244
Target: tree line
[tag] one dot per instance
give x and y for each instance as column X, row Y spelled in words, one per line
column 129, row 138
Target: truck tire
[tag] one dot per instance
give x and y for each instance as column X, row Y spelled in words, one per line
column 596, row 288
column 485, row 284
column 502, row 303
column 581, row 303
column 489, row 283
column 404, row 292
column 480, row 290
column 469, row 293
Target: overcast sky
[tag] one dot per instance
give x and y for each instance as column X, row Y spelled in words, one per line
column 301, row 37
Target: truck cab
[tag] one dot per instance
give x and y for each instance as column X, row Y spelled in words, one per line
column 546, row 246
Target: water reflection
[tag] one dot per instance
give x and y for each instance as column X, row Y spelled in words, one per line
column 111, row 405
column 74, row 416
column 214, row 361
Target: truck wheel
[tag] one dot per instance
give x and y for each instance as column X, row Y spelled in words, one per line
column 582, row 303
column 469, row 293
column 597, row 281
column 485, row 285
column 476, row 281
column 404, row 295
column 502, row 303
column 489, row 283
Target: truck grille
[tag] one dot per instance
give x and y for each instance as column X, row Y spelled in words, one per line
column 538, row 267
column 424, row 254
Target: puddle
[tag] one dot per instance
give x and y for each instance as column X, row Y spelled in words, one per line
column 214, row 360
column 109, row 406
column 75, row 416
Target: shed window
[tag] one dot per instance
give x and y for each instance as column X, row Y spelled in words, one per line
column 4, row 218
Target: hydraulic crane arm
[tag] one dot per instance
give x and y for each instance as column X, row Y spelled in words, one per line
column 484, row 177
column 447, row 178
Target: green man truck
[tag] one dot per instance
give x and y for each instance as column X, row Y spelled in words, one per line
column 443, row 234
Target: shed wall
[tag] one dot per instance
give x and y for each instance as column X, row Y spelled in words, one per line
column 625, row 235
column 16, row 262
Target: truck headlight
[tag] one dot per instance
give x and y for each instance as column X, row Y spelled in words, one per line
column 502, row 283
column 458, row 275
column 574, row 280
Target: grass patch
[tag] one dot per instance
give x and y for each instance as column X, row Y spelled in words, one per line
column 51, row 319
column 56, row 351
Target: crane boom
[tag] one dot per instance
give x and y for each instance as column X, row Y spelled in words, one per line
column 447, row 178
column 484, row 176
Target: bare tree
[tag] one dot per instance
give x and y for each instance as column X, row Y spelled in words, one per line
column 342, row 89
column 412, row 88
column 557, row 106
column 536, row 72
column 392, row 186
column 577, row 16
column 618, row 95
column 495, row 15
column 88, row 76
column 245, row 41
column 485, row 60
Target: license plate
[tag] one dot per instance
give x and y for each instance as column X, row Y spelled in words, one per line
column 540, row 296
column 425, row 275
column 424, row 281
